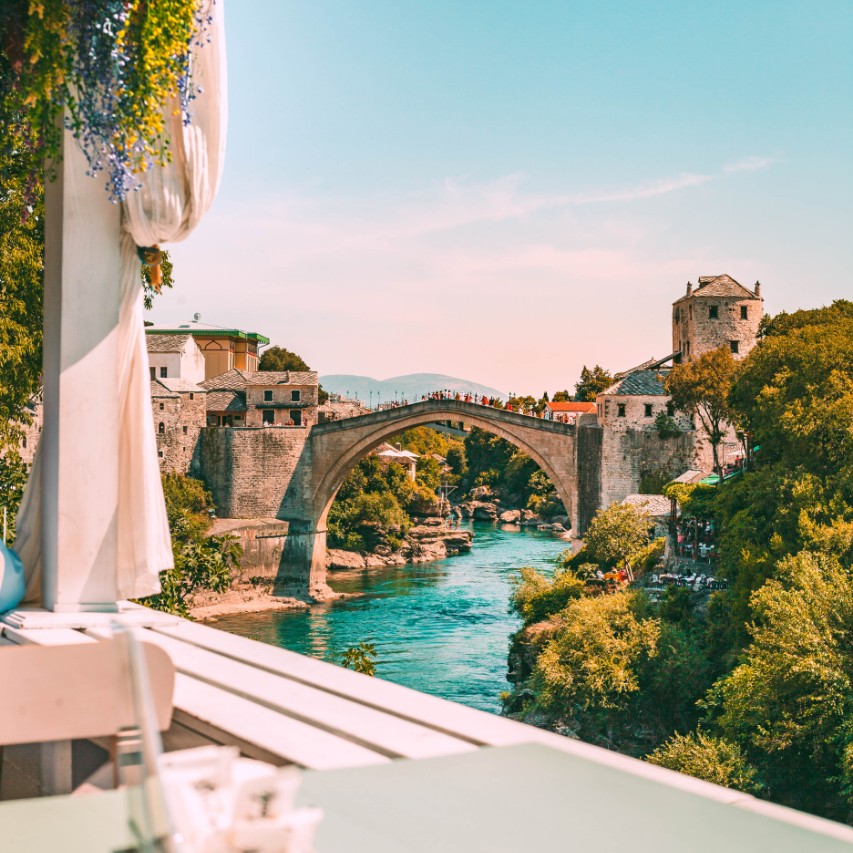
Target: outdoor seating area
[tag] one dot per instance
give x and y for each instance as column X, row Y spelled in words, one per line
column 390, row 768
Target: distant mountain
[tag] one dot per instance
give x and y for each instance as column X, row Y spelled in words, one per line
column 411, row 387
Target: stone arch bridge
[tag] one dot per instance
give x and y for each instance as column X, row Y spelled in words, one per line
column 294, row 475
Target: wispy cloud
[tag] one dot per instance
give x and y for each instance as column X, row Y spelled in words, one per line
column 750, row 164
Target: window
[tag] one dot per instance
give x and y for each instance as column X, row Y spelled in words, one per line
column 670, row 408
column 160, row 453
column 744, row 312
column 688, row 349
column 24, row 442
column 268, row 417
column 164, row 372
column 296, row 417
column 713, row 312
column 620, row 410
column 677, row 315
column 192, row 396
column 295, row 396
column 691, row 310
column 161, row 428
column 648, row 410
column 268, row 396
column 161, row 407
column 734, row 345
column 153, row 371
column 185, row 430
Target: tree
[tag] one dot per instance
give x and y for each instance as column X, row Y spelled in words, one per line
column 201, row 561
column 713, row 759
column 616, row 534
column 278, row 358
column 592, row 383
column 21, row 264
column 700, row 388
column 562, row 397
column 789, row 705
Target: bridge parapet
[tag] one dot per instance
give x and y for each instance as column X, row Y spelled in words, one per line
column 448, row 410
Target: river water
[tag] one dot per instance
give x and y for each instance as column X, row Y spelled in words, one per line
column 442, row 627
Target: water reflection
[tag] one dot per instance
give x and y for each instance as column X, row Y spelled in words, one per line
column 439, row 627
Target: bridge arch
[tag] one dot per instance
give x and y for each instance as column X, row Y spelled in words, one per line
column 336, row 447
column 514, row 433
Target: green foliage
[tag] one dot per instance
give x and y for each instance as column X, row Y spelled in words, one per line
column 537, row 597
column 591, row 383
column 278, row 358
column 371, row 506
column 148, row 289
column 562, row 397
column 666, row 426
column 790, row 703
column 21, row 264
column 113, row 82
column 201, row 561
column 710, row 758
column 13, row 478
column 616, row 534
column 695, row 500
column 456, row 460
column 594, row 661
column 361, row 658
column 700, row 388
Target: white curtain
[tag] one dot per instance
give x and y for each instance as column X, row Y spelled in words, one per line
column 167, row 208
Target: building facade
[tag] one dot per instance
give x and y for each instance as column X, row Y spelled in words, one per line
column 223, row 349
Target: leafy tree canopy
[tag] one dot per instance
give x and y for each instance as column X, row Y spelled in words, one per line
column 615, row 534
column 700, row 388
column 592, row 382
column 279, row 358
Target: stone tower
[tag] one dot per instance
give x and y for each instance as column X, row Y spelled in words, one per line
column 719, row 312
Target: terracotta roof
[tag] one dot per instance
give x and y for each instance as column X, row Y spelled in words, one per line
column 239, row 379
column 226, row 401
column 640, row 383
column 584, row 408
column 166, row 343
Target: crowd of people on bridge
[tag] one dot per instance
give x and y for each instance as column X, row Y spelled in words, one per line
column 482, row 400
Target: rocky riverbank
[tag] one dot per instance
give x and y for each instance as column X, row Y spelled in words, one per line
column 427, row 541
column 488, row 505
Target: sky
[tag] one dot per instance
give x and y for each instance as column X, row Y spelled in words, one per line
column 507, row 191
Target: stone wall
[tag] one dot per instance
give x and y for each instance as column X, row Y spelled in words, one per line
column 695, row 332
column 626, row 457
column 248, row 470
column 590, row 438
column 182, row 417
column 281, row 403
column 636, row 416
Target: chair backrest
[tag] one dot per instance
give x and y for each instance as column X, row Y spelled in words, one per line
column 52, row 693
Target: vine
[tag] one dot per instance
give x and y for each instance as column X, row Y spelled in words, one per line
column 108, row 71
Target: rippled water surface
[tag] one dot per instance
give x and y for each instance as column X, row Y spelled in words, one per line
column 442, row 627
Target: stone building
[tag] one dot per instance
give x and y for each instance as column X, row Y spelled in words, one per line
column 719, row 312
column 634, row 454
column 223, row 349
column 180, row 412
column 175, row 357
column 263, row 398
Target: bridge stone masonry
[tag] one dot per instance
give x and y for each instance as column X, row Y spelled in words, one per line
column 294, row 473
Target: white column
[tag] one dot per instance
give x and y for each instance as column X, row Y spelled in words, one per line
column 80, row 436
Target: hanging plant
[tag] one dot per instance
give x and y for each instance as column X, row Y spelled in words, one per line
column 107, row 70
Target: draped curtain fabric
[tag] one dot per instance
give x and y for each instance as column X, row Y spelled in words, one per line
column 167, row 208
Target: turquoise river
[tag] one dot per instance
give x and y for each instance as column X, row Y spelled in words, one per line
column 440, row 627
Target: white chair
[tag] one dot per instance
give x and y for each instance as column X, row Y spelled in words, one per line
column 69, row 692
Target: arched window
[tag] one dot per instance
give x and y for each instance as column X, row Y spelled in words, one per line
column 161, row 428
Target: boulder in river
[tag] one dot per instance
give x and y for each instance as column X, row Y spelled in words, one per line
column 510, row 516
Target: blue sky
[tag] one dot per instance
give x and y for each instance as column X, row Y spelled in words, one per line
column 505, row 191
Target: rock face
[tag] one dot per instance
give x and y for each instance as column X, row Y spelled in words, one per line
column 510, row 516
column 430, row 540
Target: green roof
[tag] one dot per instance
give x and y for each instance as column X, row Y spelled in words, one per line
column 211, row 333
